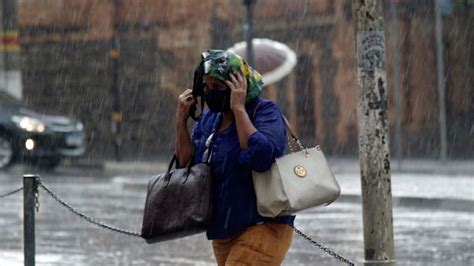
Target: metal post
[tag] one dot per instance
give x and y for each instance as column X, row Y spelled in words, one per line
column 248, row 30
column 441, row 84
column 396, row 84
column 30, row 189
column 374, row 151
column 115, row 57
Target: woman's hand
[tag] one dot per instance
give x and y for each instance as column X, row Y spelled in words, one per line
column 238, row 88
column 185, row 102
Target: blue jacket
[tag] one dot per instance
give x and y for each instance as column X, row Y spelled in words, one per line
column 234, row 203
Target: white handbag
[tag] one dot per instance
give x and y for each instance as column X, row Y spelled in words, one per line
column 295, row 182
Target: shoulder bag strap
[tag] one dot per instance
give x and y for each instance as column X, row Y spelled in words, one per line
column 290, row 129
column 206, row 157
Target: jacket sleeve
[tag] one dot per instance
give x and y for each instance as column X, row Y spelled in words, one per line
column 269, row 141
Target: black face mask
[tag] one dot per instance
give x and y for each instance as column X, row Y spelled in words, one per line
column 217, row 100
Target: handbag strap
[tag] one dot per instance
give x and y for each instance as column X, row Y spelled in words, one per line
column 170, row 165
column 207, row 153
column 206, row 157
column 290, row 129
column 293, row 135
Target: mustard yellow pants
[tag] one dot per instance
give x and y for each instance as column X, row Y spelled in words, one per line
column 262, row 244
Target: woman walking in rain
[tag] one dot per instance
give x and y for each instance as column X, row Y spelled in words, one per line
column 247, row 134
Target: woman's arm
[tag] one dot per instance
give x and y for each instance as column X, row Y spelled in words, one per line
column 184, row 147
column 245, row 128
column 269, row 141
column 264, row 139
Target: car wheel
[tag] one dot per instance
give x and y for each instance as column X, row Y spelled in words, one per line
column 6, row 152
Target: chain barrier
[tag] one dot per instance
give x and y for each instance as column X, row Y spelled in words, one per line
column 36, row 194
column 11, row 192
column 82, row 215
column 136, row 234
column 323, row 248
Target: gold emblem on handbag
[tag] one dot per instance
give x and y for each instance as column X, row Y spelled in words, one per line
column 295, row 182
column 300, row 171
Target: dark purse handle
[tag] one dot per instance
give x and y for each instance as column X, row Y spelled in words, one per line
column 189, row 165
column 168, row 173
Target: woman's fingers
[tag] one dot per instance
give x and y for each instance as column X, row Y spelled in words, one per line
column 232, row 77
column 186, row 92
column 238, row 81
column 230, row 84
column 185, row 101
column 239, row 77
column 186, row 98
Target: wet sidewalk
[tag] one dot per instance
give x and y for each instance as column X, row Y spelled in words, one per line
column 426, row 183
column 433, row 220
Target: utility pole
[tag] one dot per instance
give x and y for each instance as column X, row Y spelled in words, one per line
column 441, row 83
column 374, row 151
column 114, row 55
column 10, row 74
column 248, row 30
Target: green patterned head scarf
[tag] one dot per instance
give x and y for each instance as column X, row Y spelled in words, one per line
column 219, row 64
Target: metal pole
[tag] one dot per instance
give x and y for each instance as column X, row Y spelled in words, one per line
column 441, row 84
column 30, row 189
column 374, row 151
column 116, row 107
column 396, row 85
column 249, row 30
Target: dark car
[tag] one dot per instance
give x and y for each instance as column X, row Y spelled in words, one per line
column 28, row 136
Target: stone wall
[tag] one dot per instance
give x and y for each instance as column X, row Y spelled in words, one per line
column 70, row 78
column 459, row 56
column 66, row 68
column 74, row 78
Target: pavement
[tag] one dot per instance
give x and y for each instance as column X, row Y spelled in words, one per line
column 421, row 182
column 433, row 217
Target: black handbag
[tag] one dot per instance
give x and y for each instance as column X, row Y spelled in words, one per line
column 179, row 202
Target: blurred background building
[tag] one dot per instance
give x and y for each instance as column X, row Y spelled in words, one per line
column 66, row 67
